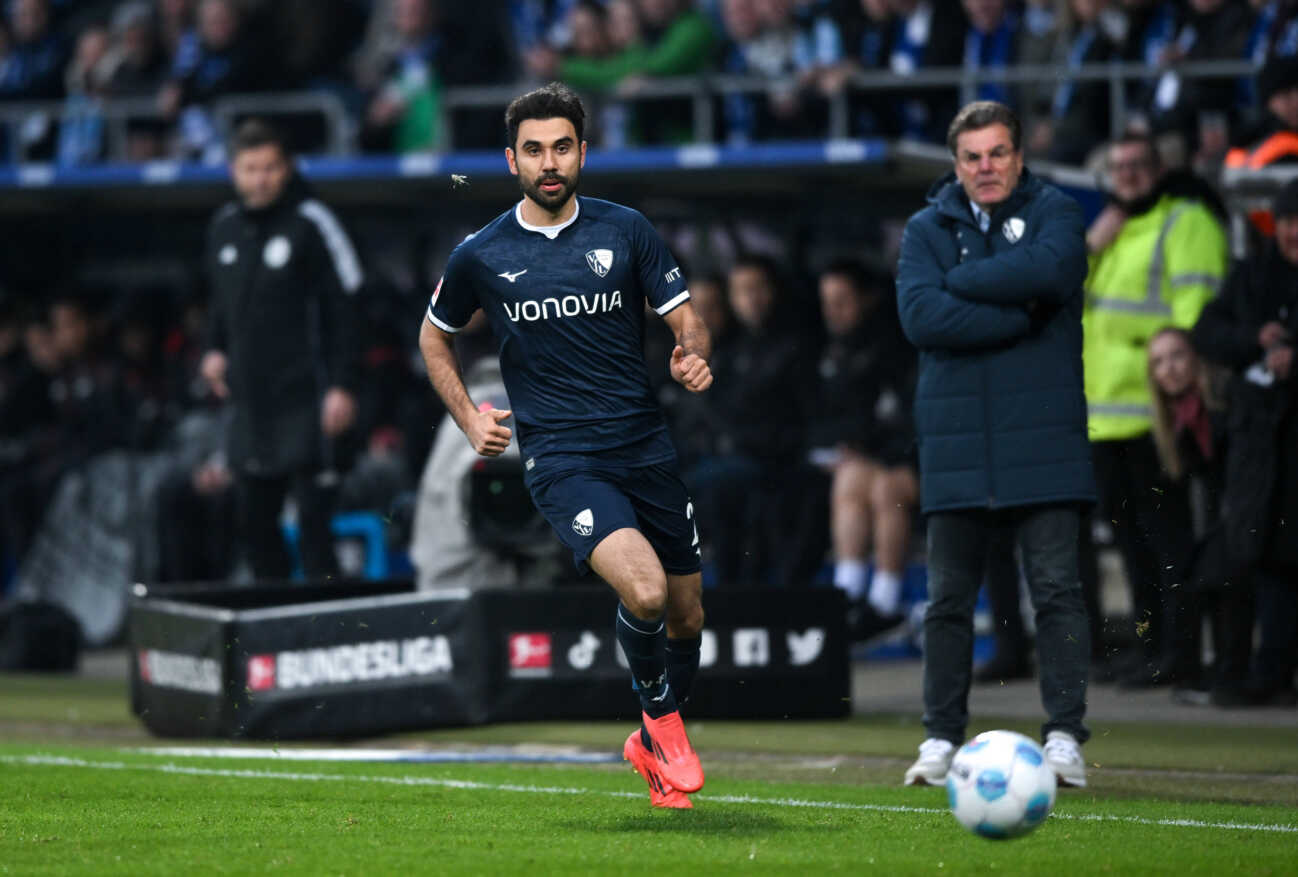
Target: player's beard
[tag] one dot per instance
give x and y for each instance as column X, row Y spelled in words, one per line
column 553, row 203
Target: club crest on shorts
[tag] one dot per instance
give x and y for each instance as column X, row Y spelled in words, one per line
column 600, row 261
column 584, row 523
column 1013, row 229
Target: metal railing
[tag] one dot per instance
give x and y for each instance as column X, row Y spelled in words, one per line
column 704, row 89
column 118, row 114
column 702, row 92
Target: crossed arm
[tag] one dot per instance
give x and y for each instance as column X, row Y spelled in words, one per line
column 934, row 318
column 1046, row 270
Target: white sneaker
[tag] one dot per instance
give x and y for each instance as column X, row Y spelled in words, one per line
column 1064, row 755
column 934, row 761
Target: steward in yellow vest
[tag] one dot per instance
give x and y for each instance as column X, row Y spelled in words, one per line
column 1157, row 257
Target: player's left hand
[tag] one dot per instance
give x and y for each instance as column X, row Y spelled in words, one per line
column 690, row 370
column 337, row 412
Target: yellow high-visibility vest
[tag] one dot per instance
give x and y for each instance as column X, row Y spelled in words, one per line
column 1161, row 270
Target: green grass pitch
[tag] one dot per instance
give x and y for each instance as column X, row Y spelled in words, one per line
column 81, row 796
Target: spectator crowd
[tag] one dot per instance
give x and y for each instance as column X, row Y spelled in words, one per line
column 389, row 64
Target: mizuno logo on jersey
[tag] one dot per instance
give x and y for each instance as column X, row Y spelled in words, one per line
column 512, row 276
column 568, row 306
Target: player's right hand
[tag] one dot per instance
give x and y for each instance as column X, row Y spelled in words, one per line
column 690, row 370
column 486, row 434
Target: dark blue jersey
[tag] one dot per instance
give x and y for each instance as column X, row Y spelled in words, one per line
column 567, row 303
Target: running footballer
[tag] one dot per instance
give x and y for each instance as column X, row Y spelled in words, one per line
column 564, row 281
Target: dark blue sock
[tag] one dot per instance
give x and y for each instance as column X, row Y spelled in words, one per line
column 645, row 645
column 682, row 665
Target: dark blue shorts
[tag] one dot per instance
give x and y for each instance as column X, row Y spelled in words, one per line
column 585, row 505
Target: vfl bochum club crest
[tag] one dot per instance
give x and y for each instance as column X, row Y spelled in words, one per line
column 1013, row 229
column 584, row 523
column 600, row 261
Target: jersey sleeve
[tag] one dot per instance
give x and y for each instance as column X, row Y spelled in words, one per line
column 660, row 276
column 455, row 298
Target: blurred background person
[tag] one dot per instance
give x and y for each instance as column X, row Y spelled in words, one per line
column 33, row 69
column 860, row 435
column 403, row 113
column 1272, row 138
column 1076, row 120
column 1190, row 435
column 282, row 348
column 224, row 54
column 741, row 486
column 1206, row 30
column 991, row 43
column 1250, row 328
column 926, row 33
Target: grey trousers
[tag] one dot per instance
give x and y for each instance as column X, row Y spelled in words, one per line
column 957, row 551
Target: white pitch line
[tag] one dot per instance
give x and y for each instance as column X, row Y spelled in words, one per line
column 473, row 785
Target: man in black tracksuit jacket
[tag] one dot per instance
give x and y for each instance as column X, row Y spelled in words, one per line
column 282, row 348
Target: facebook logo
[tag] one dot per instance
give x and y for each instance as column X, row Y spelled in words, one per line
column 752, row 647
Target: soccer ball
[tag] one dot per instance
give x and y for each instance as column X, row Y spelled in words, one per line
column 999, row 785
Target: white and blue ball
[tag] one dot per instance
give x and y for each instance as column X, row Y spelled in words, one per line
column 999, row 785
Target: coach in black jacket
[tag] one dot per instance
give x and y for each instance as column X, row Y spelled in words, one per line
column 282, row 347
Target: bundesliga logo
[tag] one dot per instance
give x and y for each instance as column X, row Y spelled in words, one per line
column 529, row 654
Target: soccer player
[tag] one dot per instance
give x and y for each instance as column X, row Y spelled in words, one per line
column 563, row 281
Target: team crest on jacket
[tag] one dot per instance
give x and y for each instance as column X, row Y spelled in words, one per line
column 600, row 261
column 277, row 251
column 228, row 254
column 1013, row 229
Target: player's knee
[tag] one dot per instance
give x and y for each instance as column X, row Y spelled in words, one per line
column 687, row 621
column 647, row 598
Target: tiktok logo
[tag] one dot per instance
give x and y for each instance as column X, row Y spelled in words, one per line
column 582, row 655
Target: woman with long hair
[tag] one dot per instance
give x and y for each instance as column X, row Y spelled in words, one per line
column 1189, row 435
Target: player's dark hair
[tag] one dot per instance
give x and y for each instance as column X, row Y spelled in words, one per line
column 255, row 133
column 983, row 114
column 553, row 101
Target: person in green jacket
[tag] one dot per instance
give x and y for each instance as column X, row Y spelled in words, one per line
column 678, row 40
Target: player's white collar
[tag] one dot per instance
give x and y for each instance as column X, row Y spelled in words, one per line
column 550, row 231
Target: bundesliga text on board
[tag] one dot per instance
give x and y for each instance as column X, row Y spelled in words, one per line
column 350, row 664
column 179, row 671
